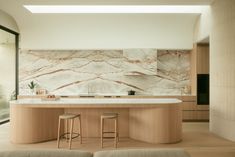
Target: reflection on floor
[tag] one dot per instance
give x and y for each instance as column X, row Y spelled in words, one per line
column 197, row 140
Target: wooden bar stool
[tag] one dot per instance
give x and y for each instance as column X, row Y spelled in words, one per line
column 113, row 116
column 69, row 117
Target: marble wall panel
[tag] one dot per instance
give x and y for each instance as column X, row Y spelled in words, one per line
column 174, row 71
column 73, row 72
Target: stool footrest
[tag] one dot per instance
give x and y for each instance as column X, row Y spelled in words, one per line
column 108, row 137
column 67, row 133
column 108, row 132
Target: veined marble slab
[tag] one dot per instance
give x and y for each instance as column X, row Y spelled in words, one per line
column 174, row 71
column 72, row 72
column 97, row 101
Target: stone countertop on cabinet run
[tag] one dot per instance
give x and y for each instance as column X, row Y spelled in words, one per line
column 108, row 96
column 98, row 101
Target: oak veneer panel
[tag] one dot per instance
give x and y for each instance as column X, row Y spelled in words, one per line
column 35, row 123
column 202, row 59
column 193, row 70
column 190, row 115
column 203, row 115
column 189, row 106
column 189, row 98
column 31, row 125
column 156, row 125
column 203, row 107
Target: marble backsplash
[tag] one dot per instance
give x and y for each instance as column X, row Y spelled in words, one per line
column 78, row 72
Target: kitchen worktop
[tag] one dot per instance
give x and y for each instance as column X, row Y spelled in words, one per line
column 109, row 96
column 79, row 102
column 98, row 101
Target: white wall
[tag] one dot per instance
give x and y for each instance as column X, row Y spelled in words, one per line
column 222, row 69
column 7, row 21
column 203, row 25
column 107, row 31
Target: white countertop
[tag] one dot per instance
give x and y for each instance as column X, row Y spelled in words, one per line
column 97, row 101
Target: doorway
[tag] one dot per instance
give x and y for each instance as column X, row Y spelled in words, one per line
column 8, row 70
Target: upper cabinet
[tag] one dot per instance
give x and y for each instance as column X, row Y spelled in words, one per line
column 202, row 58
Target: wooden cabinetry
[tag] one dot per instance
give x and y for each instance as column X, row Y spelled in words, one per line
column 203, row 68
column 192, row 111
column 199, row 64
column 189, row 108
column 202, row 59
column 153, row 121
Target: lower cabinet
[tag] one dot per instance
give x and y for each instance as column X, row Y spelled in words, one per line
column 193, row 112
column 203, row 115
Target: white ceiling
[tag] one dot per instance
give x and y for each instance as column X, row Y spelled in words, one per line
column 93, row 2
column 28, row 21
column 21, row 15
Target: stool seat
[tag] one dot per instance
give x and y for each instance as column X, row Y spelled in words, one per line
column 109, row 115
column 69, row 116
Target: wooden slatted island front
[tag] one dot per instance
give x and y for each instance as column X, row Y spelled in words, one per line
column 152, row 120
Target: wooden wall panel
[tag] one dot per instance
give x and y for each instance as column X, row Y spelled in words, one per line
column 157, row 125
column 193, row 68
column 30, row 125
column 222, row 73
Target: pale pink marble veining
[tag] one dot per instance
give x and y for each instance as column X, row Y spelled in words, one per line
column 72, row 72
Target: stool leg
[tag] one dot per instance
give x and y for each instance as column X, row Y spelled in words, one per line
column 101, row 135
column 66, row 130
column 58, row 135
column 117, row 131
column 71, row 133
column 115, row 136
column 80, row 128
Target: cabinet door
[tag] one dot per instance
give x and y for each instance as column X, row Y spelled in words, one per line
column 189, row 115
column 202, row 115
column 189, row 106
column 203, row 59
column 189, row 110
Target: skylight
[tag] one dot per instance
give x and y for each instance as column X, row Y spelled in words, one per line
column 114, row 9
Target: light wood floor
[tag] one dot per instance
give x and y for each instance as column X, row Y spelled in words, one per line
column 197, row 140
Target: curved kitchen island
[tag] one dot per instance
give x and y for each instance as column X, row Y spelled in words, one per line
column 151, row 120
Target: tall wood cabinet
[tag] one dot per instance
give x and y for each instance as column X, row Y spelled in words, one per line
column 192, row 111
column 202, row 58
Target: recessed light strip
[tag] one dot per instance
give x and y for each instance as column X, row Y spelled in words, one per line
column 113, row 9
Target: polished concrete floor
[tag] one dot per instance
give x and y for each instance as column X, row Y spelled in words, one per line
column 197, row 140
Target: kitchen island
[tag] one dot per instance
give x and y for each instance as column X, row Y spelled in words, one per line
column 152, row 120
